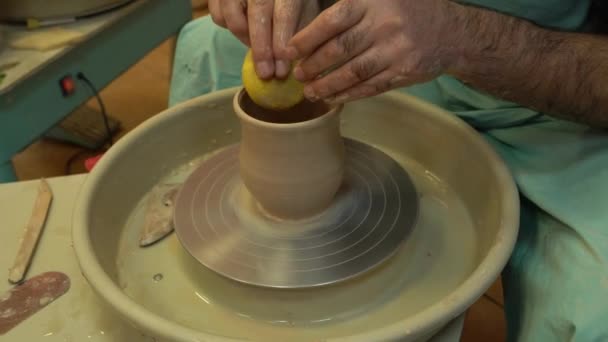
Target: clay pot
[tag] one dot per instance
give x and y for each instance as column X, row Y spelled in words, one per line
column 292, row 162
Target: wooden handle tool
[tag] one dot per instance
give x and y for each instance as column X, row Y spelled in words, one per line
column 32, row 233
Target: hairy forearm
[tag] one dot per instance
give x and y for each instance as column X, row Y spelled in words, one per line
column 558, row 73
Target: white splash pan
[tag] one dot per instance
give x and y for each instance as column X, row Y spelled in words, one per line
column 439, row 150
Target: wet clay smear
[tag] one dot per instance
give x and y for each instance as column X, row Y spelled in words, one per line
column 24, row 300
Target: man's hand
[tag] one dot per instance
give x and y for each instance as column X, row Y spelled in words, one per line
column 375, row 46
column 372, row 46
column 266, row 26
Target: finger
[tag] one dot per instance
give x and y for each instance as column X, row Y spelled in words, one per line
column 358, row 70
column 236, row 19
column 259, row 16
column 333, row 21
column 285, row 20
column 335, row 52
column 380, row 83
column 216, row 13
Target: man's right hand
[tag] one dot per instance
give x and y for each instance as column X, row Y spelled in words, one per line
column 266, row 26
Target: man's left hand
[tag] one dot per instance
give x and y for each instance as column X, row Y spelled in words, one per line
column 360, row 48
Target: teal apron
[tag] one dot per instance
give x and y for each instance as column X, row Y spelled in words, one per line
column 556, row 282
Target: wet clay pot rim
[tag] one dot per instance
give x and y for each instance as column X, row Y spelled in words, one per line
column 299, row 125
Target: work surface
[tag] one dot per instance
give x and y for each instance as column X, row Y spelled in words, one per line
column 31, row 60
column 32, row 99
column 79, row 315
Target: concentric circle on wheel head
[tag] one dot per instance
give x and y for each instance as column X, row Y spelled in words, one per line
column 220, row 224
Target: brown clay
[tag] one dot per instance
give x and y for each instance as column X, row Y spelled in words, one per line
column 292, row 162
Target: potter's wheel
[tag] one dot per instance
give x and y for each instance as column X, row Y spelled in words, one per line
column 221, row 225
column 464, row 232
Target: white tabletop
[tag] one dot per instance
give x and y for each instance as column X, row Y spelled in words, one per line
column 79, row 315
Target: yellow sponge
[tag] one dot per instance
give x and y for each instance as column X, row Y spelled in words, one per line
column 272, row 94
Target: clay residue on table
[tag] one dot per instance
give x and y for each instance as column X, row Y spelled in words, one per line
column 26, row 299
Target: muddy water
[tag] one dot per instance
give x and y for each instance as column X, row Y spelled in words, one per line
column 439, row 255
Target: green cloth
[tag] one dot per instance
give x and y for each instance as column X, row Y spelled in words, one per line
column 559, row 14
column 556, row 282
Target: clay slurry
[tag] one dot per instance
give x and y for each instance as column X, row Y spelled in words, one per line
column 303, row 111
column 425, row 271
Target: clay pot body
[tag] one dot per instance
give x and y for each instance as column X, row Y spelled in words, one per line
column 291, row 162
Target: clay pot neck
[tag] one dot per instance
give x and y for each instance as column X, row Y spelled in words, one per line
column 302, row 112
